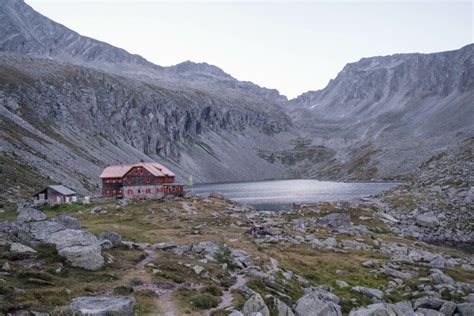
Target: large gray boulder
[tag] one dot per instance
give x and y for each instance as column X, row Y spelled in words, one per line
column 428, row 302
column 428, row 312
column 383, row 309
column 102, row 306
column 283, row 309
column 335, row 220
column 28, row 214
column 311, row 305
column 114, row 238
column 81, row 248
column 86, row 257
column 465, row 309
column 254, row 305
column 427, row 220
column 68, row 221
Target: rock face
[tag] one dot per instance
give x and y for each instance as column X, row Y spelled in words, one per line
column 102, row 306
column 376, row 111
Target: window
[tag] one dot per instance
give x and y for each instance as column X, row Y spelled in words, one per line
column 148, row 180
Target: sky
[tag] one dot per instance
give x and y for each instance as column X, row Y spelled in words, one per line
column 286, row 45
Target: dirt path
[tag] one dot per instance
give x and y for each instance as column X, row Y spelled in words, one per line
column 165, row 304
column 226, row 298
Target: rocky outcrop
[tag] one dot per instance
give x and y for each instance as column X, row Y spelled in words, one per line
column 80, row 248
column 102, row 306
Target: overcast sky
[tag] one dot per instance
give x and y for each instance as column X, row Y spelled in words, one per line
column 293, row 47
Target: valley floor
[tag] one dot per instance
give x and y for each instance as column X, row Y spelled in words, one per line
column 212, row 256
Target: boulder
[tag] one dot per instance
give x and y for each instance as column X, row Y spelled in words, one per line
column 102, row 306
column 335, row 220
column 29, row 214
column 19, row 248
column 341, row 284
column 428, row 302
column 428, row 312
column 327, row 243
column 427, row 220
column 114, row 238
column 323, row 293
column 311, row 305
column 165, row 246
column 81, row 249
column 448, row 308
column 465, row 309
column 68, row 221
column 6, row 266
column 241, row 258
column 283, row 309
column 383, row 309
column 260, row 231
column 404, row 308
column 255, row 304
column 352, row 244
column 440, row 278
column 369, row 292
column 86, row 257
column 216, row 195
column 96, row 209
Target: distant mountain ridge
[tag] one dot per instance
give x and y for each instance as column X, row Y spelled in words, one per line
column 402, row 108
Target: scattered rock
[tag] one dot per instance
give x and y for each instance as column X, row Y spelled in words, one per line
column 369, row 292
column 311, row 305
column 114, row 238
column 6, row 266
column 102, row 306
column 19, row 248
column 428, row 312
column 335, row 220
column 96, row 210
column 427, row 220
column 255, row 305
column 165, row 246
column 198, row 269
column 342, row 284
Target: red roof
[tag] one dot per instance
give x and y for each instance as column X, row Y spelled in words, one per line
column 118, row 171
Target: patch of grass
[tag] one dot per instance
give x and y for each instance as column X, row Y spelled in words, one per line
column 146, row 302
column 195, row 299
column 224, row 256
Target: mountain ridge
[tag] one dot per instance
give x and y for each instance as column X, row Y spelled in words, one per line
column 378, row 119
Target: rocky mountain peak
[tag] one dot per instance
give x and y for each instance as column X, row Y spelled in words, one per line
column 190, row 68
